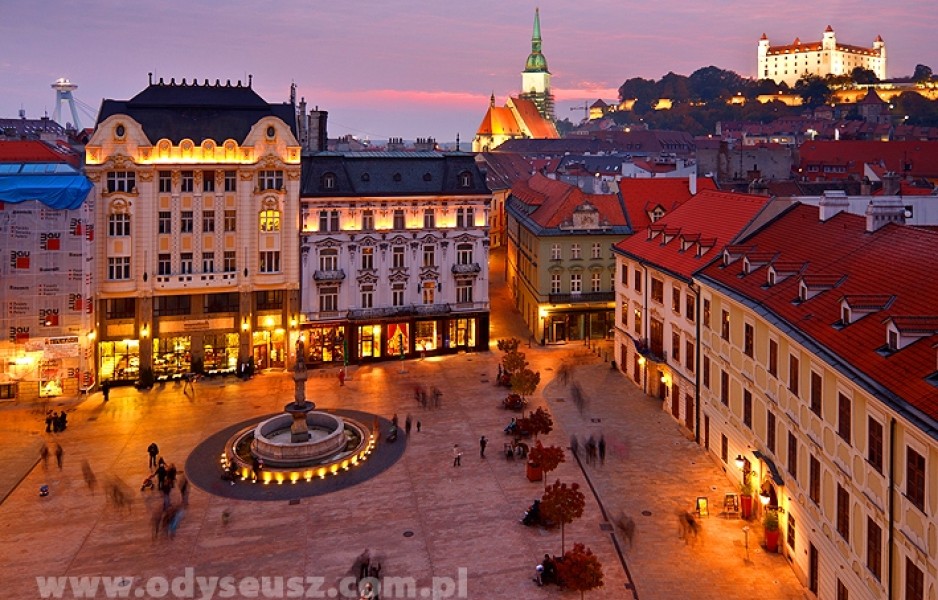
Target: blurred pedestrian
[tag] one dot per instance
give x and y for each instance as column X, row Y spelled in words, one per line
column 58, row 455
column 602, row 449
column 342, row 376
column 106, row 389
column 407, row 424
column 482, row 443
column 153, row 450
column 184, row 489
column 44, row 455
column 574, row 445
column 457, row 455
column 90, row 480
column 418, row 425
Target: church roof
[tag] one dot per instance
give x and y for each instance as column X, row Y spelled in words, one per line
column 536, row 124
column 499, row 120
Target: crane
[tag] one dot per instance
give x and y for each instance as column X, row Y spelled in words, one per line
column 585, row 108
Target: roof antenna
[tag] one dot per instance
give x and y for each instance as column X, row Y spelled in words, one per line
column 250, row 79
column 150, row 77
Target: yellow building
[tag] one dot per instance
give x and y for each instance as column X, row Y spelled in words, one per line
column 197, row 218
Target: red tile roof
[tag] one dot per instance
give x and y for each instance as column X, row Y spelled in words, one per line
column 644, row 194
column 915, row 158
column 556, row 201
column 539, row 127
column 719, row 216
column 28, row 151
column 893, row 261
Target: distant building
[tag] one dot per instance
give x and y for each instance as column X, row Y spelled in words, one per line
column 46, row 304
column 394, row 252
column 791, row 62
column 197, row 208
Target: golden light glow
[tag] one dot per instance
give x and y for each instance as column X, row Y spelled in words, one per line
column 641, row 360
column 144, row 331
column 92, row 335
column 269, row 322
column 245, row 326
column 293, row 323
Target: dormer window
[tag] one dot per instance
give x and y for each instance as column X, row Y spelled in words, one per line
column 771, row 277
column 802, row 292
column 845, row 315
column 465, row 179
column 747, row 266
column 892, row 341
column 328, row 181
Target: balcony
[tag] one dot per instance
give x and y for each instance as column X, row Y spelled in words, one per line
column 337, row 275
column 470, row 268
column 578, row 298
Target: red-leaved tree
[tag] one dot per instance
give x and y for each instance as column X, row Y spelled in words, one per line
column 562, row 504
column 580, row 570
column 540, row 422
column 547, row 458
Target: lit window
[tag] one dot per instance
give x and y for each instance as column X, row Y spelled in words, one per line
column 270, row 220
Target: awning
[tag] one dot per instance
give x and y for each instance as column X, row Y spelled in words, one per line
column 776, row 476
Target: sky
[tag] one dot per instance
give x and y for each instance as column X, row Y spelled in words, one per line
column 415, row 68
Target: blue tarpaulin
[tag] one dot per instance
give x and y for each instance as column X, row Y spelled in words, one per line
column 64, row 191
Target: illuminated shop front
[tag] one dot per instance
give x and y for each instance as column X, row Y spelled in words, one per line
column 172, row 357
column 325, row 344
column 462, row 333
column 398, row 339
column 369, row 341
column 269, row 348
column 220, row 353
column 565, row 325
column 119, row 361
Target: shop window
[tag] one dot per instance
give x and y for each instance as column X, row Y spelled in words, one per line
column 121, row 308
column 220, row 352
column 119, row 361
column 369, row 341
column 425, row 336
column 221, row 303
column 172, row 357
column 268, row 299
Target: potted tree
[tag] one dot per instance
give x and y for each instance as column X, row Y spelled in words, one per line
column 745, row 498
column 770, row 523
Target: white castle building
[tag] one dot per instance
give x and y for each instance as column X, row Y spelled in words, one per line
column 791, row 62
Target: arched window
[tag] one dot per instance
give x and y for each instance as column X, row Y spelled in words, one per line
column 270, row 220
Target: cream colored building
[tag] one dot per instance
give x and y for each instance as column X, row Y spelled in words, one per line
column 791, row 62
column 818, row 376
column 197, row 219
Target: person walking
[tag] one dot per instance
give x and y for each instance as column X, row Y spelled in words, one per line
column 160, row 473
column 153, row 450
column 602, row 449
column 106, row 389
column 44, row 455
column 58, row 455
column 457, row 455
column 407, row 424
column 482, row 444
column 418, row 425
column 184, row 489
column 49, row 421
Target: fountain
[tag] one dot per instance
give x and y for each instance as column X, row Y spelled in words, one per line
column 300, row 443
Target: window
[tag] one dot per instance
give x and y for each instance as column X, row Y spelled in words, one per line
column 231, row 181
column 689, row 355
column 464, row 292
column 208, row 221
column 638, row 321
column 328, row 299
column 575, row 251
column 270, row 262
column 844, row 417
column 689, row 308
column 429, row 256
column 657, row 290
column 914, row 581
column 231, row 220
column 724, row 387
column 429, row 218
column 706, row 313
column 676, row 347
column 814, row 480
column 121, row 308
column 427, row 292
column 893, row 340
column 164, row 222
column 915, row 478
column 874, row 548
column 270, row 220
column 208, row 262
column 791, row 532
column 208, row 181
column 597, row 250
column 706, row 372
column 842, row 593
column 328, row 220
column 164, row 265
column 817, row 385
column 724, row 447
column 843, row 513
column 397, row 257
column 368, row 258
column 368, row 296
column 165, row 182
column 465, row 179
column 121, row 181
column 793, row 372
column 464, row 254
column 185, row 263
column 118, row 225
column 875, row 443
column 221, row 303
column 748, row 339
column 770, row 431
column 725, row 325
column 465, row 217
column 230, row 262
column 747, row 408
column 773, row 358
column 555, row 252
column 596, row 282
column 368, row 220
column 164, row 306
column 270, row 179
column 792, row 455
column 328, row 259
column 555, row 283
column 397, row 294
column 118, row 268
column 185, row 221
column 188, row 181
column 576, row 283
column 327, row 181
column 676, row 300
column 637, row 281
column 399, row 222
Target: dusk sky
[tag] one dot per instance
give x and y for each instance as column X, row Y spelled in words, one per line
column 415, row 68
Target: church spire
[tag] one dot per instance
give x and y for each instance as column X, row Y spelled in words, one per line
column 536, row 62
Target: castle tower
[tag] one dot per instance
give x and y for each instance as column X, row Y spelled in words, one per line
column 63, row 93
column 535, row 79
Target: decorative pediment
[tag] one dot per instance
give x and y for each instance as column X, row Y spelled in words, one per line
column 367, row 276
column 429, row 273
column 465, row 238
column 399, row 274
column 328, row 243
column 399, row 240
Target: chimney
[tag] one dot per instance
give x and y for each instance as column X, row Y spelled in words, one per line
column 692, row 182
column 832, row 202
column 891, row 184
column 881, row 211
column 866, row 188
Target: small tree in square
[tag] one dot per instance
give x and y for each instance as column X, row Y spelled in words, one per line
column 540, row 422
column 524, row 381
column 562, row 504
column 546, row 458
column 509, row 344
column 580, row 570
column 514, row 362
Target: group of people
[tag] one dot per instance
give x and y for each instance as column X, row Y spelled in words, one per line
column 57, row 450
column 167, row 517
column 594, row 449
column 433, row 399
column 546, row 572
column 56, row 421
column 365, row 568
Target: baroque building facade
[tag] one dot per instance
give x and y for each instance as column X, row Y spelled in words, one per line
column 394, row 253
column 791, row 62
column 197, row 208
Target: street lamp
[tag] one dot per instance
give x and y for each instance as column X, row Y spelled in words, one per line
column 739, row 461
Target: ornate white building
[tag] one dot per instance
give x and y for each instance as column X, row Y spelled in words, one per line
column 394, row 255
column 791, row 62
column 197, row 211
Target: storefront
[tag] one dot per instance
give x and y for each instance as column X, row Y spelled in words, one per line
column 325, row 344
column 220, row 353
column 119, row 361
column 269, row 349
column 172, row 357
column 578, row 325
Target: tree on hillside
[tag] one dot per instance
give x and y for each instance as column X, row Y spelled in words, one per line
column 643, row 90
column 675, row 87
column 813, row 90
column 580, row 570
column 922, row 73
column 863, row 76
column 563, row 504
column 711, row 83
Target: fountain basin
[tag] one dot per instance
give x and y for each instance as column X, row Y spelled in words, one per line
column 277, row 450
